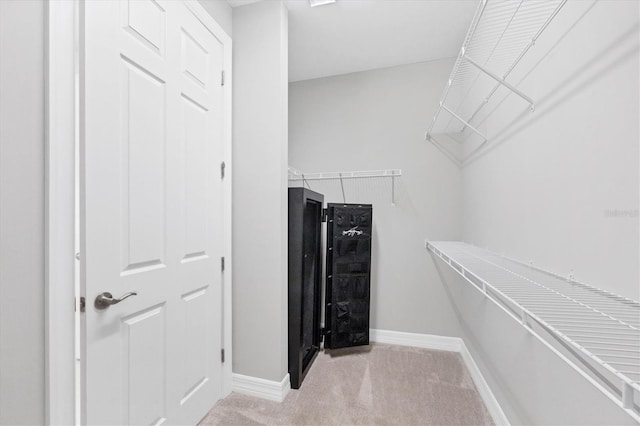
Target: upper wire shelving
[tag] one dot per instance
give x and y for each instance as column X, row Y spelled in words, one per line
column 501, row 34
column 601, row 330
column 295, row 175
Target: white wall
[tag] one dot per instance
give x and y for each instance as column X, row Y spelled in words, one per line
column 22, row 212
column 543, row 190
column 221, row 12
column 260, row 62
column 376, row 120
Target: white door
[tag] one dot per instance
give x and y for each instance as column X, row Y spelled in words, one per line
column 151, row 212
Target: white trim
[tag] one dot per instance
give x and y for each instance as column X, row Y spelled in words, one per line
column 227, row 187
column 60, row 213
column 451, row 344
column 428, row 341
column 490, row 401
column 262, row 388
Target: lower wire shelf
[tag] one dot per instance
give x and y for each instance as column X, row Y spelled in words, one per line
column 600, row 330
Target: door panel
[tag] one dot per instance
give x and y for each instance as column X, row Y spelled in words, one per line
column 194, row 58
column 195, row 170
column 146, row 21
column 195, row 359
column 144, row 361
column 348, row 280
column 143, row 175
column 151, row 207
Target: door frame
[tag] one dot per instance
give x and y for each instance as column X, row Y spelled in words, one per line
column 61, row 44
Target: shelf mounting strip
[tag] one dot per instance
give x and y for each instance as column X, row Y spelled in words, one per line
column 601, row 330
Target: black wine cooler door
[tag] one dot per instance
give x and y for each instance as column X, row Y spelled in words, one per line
column 348, row 275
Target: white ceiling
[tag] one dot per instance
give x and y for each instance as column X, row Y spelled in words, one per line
column 237, row 3
column 357, row 35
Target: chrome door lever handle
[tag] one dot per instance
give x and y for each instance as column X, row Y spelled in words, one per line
column 104, row 300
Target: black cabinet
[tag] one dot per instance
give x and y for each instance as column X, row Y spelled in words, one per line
column 305, row 269
column 348, row 276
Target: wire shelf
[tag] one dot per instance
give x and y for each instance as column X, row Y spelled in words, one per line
column 500, row 35
column 599, row 328
column 296, row 175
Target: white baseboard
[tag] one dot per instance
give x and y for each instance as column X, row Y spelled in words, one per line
column 483, row 388
column 427, row 341
column 262, row 388
column 445, row 343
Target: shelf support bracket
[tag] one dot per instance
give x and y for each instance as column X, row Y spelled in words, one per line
column 464, row 122
column 393, row 190
column 501, row 81
column 304, row 182
column 627, row 396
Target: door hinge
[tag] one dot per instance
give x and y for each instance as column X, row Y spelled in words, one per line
column 222, row 78
column 222, row 263
column 83, row 304
column 222, row 354
column 222, row 167
column 325, row 214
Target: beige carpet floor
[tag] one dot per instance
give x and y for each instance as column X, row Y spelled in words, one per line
column 370, row 385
